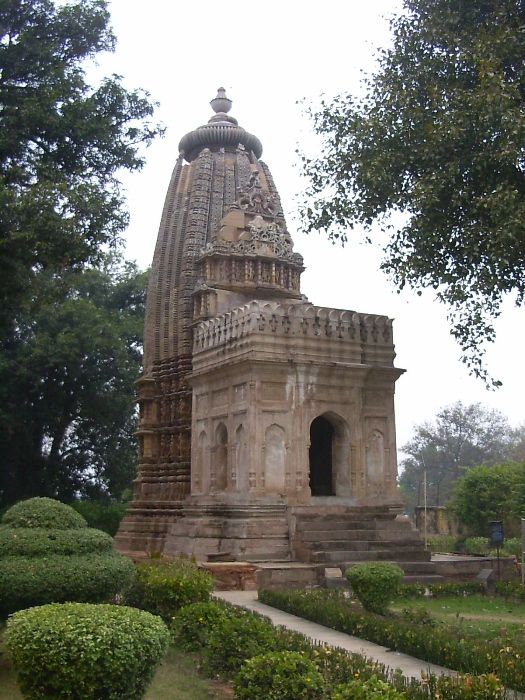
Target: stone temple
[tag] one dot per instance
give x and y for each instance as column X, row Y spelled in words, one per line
column 266, row 428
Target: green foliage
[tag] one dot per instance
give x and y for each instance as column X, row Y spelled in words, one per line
column 459, row 436
column 486, row 493
column 49, row 555
column 163, row 587
column 438, row 136
column 375, row 584
column 234, row 640
column 282, row 675
column 87, row 578
column 102, row 516
column 482, row 687
column 370, row 689
column 512, row 547
column 193, row 623
column 443, row 645
column 442, row 544
column 43, row 513
column 41, row 542
column 86, row 652
column 67, row 383
column 512, row 590
column 62, row 145
column 418, row 616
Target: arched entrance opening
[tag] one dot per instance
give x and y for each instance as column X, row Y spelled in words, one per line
column 321, row 457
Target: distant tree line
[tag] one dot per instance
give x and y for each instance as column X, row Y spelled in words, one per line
column 460, row 454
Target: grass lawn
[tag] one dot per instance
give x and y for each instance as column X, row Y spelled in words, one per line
column 177, row 678
column 476, row 614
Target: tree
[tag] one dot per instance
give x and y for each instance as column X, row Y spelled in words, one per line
column 460, row 436
column 62, row 144
column 67, row 409
column 488, row 493
column 438, row 136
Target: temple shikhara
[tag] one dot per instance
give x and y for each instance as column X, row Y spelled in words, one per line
column 266, row 422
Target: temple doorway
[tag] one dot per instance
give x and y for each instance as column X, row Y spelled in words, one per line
column 321, row 457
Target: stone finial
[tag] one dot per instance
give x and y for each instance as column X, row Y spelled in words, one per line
column 221, row 103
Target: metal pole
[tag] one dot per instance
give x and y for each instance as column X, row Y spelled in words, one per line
column 522, row 553
column 425, row 533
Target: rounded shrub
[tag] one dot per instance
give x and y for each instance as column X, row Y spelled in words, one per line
column 375, row 583
column 78, row 651
column 163, row 586
column 234, row 640
column 281, row 675
column 49, row 555
column 193, row 623
column 43, row 513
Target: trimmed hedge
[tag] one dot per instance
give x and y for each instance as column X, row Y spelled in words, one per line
column 85, row 652
column 43, row 513
column 373, row 688
column 49, row 555
column 89, row 578
column 340, row 669
column 193, row 623
column 280, row 675
column 15, row 541
column 375, row 584
column 163, row 586
column 234, row 640
column 445, row 646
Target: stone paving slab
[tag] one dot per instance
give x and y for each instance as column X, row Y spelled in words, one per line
column 410, row 667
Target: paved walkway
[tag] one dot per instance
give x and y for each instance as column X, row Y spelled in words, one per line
column 409, row 666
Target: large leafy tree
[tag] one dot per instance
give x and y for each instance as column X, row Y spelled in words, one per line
column 67, row 412
column 438, row 136
column 486, row 493
column 62, row 144
column 459, row 436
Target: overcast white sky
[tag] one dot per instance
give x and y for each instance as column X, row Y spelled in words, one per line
column 269, row 56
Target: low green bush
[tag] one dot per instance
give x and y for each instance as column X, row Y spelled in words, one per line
column 102, row 516
column 234, row 640
column 85, row 652
column 512, row 548
column 193, row 623
column 375, row 584
column 90, row 578
column 163, row 586
column 442, row 543
column 477, row 545
column 482, row 687
column 367, row 689
column 281, row 675
column 418, row 616
column 512, row 590
column 43, row 513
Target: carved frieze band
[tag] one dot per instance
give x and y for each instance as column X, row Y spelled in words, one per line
column 293, row 319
